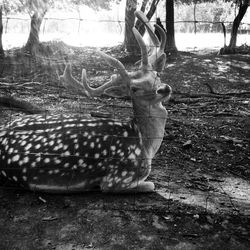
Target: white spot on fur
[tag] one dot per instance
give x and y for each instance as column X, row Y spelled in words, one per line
column 46, row 160
column 66, row 165
column 131, row 156
column 67, row 153
column 15, row 158
column 3, row 173
column 3, row 133
column 57, row 161
column 127, row 180
column 26, row 159
column 28, row 147
column 10, row 151
column 91, row 124
column 125, row 134
column 124, row 173
column 38, row 159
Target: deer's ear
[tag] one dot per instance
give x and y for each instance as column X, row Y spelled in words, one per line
column 160, row 63
column 116, row 91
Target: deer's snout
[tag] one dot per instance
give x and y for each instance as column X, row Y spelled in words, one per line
column 165, row 90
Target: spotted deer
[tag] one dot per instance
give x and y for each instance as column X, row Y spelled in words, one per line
column 70, row 153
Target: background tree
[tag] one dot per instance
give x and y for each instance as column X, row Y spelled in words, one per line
column 1, row 32
column 130, row 43
column 37, row 10
column 150, row 13
column 170, row 44
column 243, row 6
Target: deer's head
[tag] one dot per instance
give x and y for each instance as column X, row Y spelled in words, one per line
column 143, row 86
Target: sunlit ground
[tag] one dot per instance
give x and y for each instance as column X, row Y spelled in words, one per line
column 231, row 191
column 184, row 41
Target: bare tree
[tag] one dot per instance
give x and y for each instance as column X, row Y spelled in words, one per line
column 130, row 43
column 150, row 13
column 170, row 45
column 1, row 32
column 243, row 6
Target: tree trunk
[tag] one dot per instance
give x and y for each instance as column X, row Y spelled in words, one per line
column 236, row 23
column 130, row 42
column 33, row 40
column 143, row 5
column 1, row 32
column 170, row 44
column 139, row 25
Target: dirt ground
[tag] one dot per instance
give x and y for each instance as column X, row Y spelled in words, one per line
column 201, row 172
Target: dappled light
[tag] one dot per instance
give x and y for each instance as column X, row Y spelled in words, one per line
column 214, row 195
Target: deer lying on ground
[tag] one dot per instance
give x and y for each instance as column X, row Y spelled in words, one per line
column 69, row 153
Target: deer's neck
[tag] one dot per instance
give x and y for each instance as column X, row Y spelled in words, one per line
column 151, row 122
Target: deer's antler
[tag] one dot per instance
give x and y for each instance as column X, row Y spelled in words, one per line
column 155, row 59
column 69, row 82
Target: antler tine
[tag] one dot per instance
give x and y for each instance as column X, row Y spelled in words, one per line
column 162, row 35
column 155, row 59
column 113, row 62
column 69, row 82
column 100, row 90
column 140, row 15
column 94, row 91
column 144, row 52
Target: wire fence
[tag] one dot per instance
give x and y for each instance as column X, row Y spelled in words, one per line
column 83, row 31
column 205, row 199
